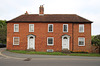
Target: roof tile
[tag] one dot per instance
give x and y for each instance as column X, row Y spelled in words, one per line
column 50, row 18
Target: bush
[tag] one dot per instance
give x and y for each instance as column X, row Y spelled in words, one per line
column 66, row 51
column 79, row 52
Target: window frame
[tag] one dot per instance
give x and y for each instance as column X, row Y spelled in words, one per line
column 50, row 44
column 14, row 28
column 48, row 27
column 83, row 28
column 30, row 29
column 84, row 41
column 18, row 40
column 63, row 27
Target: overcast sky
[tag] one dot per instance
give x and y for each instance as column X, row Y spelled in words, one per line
column 89, row 9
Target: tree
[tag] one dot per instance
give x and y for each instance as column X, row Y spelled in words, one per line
column 2, row 23
column 3, row 31
column 96, row 41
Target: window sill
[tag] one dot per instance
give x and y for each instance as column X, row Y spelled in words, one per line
column 81, row 32
column 15, row 44
column 50, row 45
column 49, row 32
column 81, row 45
column 65, row 32
column 16, row 32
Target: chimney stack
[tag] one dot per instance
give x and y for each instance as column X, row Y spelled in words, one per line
column 41, row 10
column 26, row 13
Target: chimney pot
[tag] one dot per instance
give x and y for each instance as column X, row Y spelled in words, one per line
column 26, row 13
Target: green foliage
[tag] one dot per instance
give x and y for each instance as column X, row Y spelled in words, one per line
column 2, row 23
column 54, row 53
column 85, row 54
column 92, row 37
column 66, row 51
column 96, row 40
column 34, row 52
column 79, row 52
column 3, row 31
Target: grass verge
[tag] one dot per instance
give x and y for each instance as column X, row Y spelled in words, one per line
column 55, row 53
column 84, row 54
column 40, row 53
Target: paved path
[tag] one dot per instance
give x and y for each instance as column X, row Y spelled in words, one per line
column 54, row 57
column 15, row 59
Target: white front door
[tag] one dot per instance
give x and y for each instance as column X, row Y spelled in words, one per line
column 65, row 42
column 31, row 42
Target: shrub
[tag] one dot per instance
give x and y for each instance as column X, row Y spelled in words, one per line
column 66, row 51
column 79, row 52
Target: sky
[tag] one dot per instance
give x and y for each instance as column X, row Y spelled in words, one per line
column 89, row 9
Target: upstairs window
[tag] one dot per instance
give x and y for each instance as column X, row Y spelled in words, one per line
column 50, row 27
column 15, row 40
column 65, row 27
column 50, row 41
column 81, row 41
column 16, row 27
column 31, row 27
column 81, row 27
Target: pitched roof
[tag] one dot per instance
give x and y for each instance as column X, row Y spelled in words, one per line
column 61, row 18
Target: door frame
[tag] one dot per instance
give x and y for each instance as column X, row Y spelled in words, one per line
column 68, row 41
column 28, row 37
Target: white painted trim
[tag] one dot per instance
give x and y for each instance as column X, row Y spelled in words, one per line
column 28, row 41
column 14, row 27
column 68, row 41
column 50, row 44
column 82, row 26
column 41, row 14
column 78, row 41
column 63, row 27
column 18, row 40
column 29, row 28
column 48, row 27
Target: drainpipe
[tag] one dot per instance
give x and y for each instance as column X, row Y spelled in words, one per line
column 72, row 37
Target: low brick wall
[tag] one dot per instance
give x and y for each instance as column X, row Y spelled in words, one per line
column 94, row 49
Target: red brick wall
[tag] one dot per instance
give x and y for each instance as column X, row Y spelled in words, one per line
column 94, row 49
column 86, row 35
column 41, row 33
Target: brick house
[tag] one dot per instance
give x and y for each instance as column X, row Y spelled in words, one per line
column 49, row 32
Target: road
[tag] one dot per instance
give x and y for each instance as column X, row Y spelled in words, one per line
column 50, row 61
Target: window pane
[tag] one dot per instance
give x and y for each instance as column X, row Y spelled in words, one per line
column 31, row 27
column 65, row 28
column 81, row 41
column 81, row 28
column 16, row 27
column 50, row 27
column 50, row 40
column 16, row 40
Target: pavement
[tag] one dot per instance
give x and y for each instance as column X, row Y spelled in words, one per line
column 8, row 54
column 15, row 59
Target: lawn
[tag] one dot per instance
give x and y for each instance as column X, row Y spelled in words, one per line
column 40, row 53
column 55, row 53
